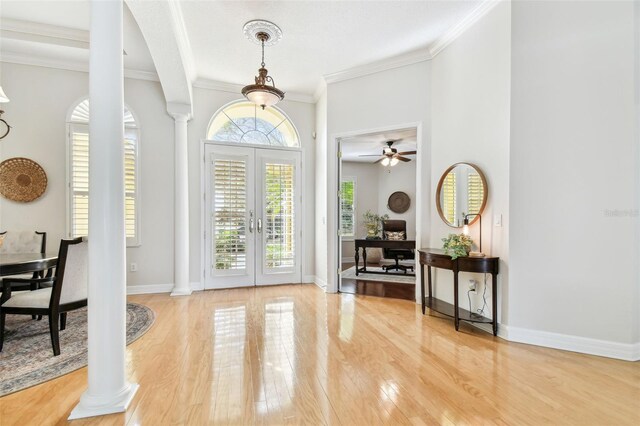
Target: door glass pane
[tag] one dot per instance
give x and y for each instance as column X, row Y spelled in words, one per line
column 279, row 229
column 229, row 208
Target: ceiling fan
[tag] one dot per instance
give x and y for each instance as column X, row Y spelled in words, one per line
column 390, row 155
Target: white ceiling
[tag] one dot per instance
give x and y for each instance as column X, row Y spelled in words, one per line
column 320, row 37
column 372, row 144
column 66, row 27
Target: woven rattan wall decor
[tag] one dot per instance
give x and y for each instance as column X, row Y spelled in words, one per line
column 22, row 180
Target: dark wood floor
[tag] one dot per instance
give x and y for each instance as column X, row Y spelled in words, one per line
column 377, row 288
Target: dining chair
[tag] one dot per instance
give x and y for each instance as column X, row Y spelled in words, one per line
column 24, row 242
column 68, row 292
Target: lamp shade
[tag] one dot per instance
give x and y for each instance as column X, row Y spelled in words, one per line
column 385, row 161
column 264, row 96
column 394, row 161
column 3, row 97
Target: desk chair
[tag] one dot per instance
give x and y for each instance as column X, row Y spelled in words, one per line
column 396, row 226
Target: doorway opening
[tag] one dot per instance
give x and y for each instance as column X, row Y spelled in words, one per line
column 377, row 213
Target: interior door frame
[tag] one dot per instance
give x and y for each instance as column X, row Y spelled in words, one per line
column 334, row 169
column 203, row 203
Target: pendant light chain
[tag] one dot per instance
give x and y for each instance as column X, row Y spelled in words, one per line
column 262, row 53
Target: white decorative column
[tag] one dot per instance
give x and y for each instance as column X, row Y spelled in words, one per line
column 108, row 390
column 181, row 115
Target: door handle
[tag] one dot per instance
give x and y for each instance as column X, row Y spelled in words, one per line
column 250, row 221
column 259, row 225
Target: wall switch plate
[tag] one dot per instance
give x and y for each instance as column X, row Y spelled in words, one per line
column 497, row 219
column 133, row 267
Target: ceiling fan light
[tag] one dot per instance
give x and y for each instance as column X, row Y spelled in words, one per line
column 393, row 161
column 385, row 161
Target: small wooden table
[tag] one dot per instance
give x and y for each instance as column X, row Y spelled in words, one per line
column 22, row 263
column 391, row 244
column 437, row 259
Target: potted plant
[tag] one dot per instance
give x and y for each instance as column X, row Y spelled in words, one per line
column 372, row 221
column 457, row 245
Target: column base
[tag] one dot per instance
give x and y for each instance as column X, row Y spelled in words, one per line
column 91, row 407
column 181, row 292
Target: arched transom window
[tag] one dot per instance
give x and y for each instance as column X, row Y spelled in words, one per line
column 245, row 123
column 78, row 173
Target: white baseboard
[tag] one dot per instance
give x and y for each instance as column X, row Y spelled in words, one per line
column 606, row 348
column 320, row 282
column 149, row 288
column 159, row 288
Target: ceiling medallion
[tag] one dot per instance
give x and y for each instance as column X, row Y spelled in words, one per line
column 261, row 93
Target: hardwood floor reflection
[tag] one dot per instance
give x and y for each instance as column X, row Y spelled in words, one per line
column 293, row 354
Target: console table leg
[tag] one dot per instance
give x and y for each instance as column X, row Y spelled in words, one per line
column 455, row 301
column 357, row 258
column 364, row 259
column 422, row 287
column 494, row 302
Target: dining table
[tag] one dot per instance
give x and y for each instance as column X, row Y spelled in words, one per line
column 23, row 263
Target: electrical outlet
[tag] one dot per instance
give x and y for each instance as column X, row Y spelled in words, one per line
column 472, row 285
column 133, row 267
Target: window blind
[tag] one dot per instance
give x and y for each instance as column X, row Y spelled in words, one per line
column 79, row 182
column 449, row 197
column 229, row 210
column 475, row 192
column 347, row 207
column 279, row 215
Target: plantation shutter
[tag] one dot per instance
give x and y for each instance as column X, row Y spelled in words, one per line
column 449, row 197
column 230, row 206
column 130, row 183
column 475, row 192
column 347, row 207
column 79, row 182
column 279, row 215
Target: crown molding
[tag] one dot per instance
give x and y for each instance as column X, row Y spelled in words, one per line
column 320, row 90
column 204, row 83
column 16, row 58
column 461, row 27
column 409, row 58
column 17, row 29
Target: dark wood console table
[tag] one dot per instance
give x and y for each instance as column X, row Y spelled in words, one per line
column 437, row 259
column 392, row 244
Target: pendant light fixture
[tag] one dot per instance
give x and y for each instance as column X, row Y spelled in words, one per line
column 262, row 93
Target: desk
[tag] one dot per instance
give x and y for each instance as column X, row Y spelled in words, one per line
column 392, row 244
column 437, row 259
column 22, row 263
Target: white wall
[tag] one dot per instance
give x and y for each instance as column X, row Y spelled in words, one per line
column 401, row 177
column 40, row 99
column 470, row 84
column 574, row 171
column 206, row 103
column 400, row 97
column 320, row 231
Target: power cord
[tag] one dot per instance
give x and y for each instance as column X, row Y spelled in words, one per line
column 484, row 297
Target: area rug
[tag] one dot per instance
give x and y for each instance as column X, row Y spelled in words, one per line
column 351, row 273
column 27, row 357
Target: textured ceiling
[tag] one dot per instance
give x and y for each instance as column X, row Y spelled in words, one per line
column 320, row 37
column 372, row 144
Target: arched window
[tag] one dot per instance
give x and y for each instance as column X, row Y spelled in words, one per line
column 245, row 123
column 78, row 173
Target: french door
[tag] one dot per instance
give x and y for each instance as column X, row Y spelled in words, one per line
column 252, row 216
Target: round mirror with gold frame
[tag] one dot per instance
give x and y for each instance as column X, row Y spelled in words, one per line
column 462, row 190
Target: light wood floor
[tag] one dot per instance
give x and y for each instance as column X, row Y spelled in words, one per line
column 294, row 355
